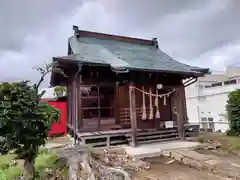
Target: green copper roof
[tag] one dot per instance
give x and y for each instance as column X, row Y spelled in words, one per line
column 124, row 55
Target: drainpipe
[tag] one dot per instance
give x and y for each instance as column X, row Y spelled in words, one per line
column 198, row 112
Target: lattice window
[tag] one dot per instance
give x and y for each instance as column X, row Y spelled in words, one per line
column 97, row 105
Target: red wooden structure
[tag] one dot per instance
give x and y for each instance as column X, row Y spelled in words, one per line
column 61, row 127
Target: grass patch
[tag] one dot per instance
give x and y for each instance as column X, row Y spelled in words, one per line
column 43, row 151
column 232, row 141
column 8, row 169
column 5, row 160
column 2, row 175
column 13, row 172
column 227, row 142
column 45, row 160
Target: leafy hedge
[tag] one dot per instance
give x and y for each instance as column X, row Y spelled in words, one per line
column 233, row 109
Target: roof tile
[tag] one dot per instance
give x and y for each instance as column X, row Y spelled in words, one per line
column 120, row 54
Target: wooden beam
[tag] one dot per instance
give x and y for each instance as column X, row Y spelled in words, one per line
column 69, row 103
column 184, row 105
column 79, row 101
column 181, row 111
column 74, row 112
column 117, row 108
column 133, row 117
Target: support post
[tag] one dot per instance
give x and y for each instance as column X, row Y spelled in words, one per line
column 184, row 105
column 133, row 117
column 79, row 102
column 181, row 111
column 117, row 109
column 74, row 110
column 69, row 105
column 77, row 105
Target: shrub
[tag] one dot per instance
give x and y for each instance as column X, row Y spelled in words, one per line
column 24, row 122
column 232, row 132
column 233, row 109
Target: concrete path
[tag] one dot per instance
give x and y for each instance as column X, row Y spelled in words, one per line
column 156, row 149
column 184, row 152
column 58, row 142
column 226, row 167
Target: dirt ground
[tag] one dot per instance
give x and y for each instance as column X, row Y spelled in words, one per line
column 228, row 152
column 174, row 171
column 161, row 170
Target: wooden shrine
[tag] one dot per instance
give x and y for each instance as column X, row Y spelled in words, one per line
column 123, row 89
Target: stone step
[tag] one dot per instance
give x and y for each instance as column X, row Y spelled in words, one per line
column 202, row 161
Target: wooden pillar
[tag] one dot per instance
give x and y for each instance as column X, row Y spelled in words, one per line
column 76, row 104
column 116, row 107
column 184, row 109
column 133, row 117
column 79, row 102
column 74, row 108
column 181, row 111
column 71, row 102
column 184, row 106
column 69, row 106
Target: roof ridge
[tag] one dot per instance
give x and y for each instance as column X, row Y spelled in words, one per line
column 84, row 33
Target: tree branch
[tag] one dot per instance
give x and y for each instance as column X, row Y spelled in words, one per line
column 41, row 80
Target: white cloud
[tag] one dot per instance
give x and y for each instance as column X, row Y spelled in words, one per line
column 221, row 57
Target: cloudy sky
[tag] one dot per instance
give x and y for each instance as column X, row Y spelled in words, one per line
column 197, row 32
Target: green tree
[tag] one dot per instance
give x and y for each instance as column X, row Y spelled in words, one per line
column 59, row 91
column 24, row 121
column 233, row 109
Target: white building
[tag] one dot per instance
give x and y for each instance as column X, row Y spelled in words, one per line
column 49, row 92
column 207, row 98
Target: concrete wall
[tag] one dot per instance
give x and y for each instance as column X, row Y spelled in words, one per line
column 209, row 102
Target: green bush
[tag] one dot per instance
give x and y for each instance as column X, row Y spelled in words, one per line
column 232, row 132
column 24, row 122
column 46, row 163
column 233, row 109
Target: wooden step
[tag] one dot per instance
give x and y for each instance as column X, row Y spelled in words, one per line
column 158, row 140
column 157, row 136
column 157, row 132
column 153, row 137
column 109, row 138
column 107, row 143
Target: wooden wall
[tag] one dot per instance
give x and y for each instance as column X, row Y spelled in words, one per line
column 96, row 75
column 155, row 123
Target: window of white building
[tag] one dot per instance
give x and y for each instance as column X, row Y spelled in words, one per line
column 207, row 86
column 233, row 81
column 204, row 123
column 216, row 84
column 211, row 125
column 207, row 124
